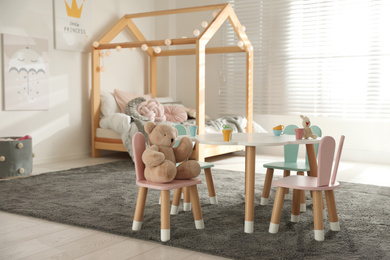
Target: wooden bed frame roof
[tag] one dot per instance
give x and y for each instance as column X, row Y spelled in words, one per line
column 225, row 12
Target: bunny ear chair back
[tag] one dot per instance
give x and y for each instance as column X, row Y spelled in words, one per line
column 324, row 182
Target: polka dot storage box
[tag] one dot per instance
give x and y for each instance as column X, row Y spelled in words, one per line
column 16, row 156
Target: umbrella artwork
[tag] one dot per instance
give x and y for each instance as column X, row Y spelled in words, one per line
column 26, row 73
column 28, row 69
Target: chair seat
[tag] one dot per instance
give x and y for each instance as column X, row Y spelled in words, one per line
column 303, row 183
column 292, row 166
column 205, row 165
column 175, row 184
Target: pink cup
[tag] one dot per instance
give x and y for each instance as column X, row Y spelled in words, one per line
column 298, row 133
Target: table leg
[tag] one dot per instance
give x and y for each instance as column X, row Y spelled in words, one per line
column 250, row 162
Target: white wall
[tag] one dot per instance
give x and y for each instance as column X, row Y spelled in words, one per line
column 63, row 131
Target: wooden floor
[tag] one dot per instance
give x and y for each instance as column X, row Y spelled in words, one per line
column 30, row 238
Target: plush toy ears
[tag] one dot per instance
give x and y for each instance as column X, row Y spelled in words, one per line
column 302, row 116
column 149, row 126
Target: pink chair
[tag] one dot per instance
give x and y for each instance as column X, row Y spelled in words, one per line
column 324, row 182
column 138, row 148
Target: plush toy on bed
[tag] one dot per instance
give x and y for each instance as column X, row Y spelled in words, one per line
column 307, row 132
column 160, row 157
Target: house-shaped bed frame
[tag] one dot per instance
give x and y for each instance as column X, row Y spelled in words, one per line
column 225, row 12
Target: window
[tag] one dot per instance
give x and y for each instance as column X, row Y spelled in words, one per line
column 315, row 57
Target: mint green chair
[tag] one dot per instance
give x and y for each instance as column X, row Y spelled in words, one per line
column 206, row 166
column 181, row 130
column 289, row 164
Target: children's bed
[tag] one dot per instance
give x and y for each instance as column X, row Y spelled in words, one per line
column 113, row 131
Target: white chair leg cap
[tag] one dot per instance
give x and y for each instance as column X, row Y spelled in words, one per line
column 295, row 218
column 165, row 235
column 137, row 225
column 174, row 210
column 187, row 206
column 199, row 224
column 303, row 207
column 248, row 228
column 319, row 235
column 263, row 201
column 213, row 200
column 287, row 196
column 335, row 226
column 273, row 228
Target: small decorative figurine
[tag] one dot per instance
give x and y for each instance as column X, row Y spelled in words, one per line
column 307, row 132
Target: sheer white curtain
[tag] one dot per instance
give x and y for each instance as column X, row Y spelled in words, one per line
column 317, row 57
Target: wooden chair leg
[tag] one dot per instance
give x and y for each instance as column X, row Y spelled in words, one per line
column 332, row 211
column 277, row 210
column 303, row 196
column 176, row 201
column 318, row 216
column 196, row 209
column 295, row 209
column 323, row 205
column 311, row 193
column 165, row 217
column 267, row 186
column 186, row 199
column 286, row 173
column 210, row 186
column 139, row 209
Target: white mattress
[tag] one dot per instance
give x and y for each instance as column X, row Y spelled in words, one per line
column 107, row 133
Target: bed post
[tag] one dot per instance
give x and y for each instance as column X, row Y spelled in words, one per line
column 200, row 94
column 95, row 98
column 153, row 75
column 95, row 89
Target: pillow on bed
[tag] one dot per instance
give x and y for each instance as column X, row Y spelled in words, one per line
column 191, row 112
column 122, row 98
column 108, row 104
column 175, row 113
column 131, row 109
column 153, row 110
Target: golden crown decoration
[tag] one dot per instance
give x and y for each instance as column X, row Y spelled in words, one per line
column 74, row 11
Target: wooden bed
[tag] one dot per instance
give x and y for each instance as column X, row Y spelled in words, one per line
column 198, row 48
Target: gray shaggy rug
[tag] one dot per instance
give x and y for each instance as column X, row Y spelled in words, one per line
column 103, row 197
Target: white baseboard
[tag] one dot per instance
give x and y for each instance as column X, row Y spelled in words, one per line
column 60, row 158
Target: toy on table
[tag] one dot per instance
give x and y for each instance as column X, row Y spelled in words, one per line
column 278, row 130
column 307, row 132
column 278, row 127
column 160, row 157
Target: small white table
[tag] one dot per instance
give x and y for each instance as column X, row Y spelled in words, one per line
column 251, row 140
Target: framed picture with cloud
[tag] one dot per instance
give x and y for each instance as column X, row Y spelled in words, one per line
column 25, row 73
